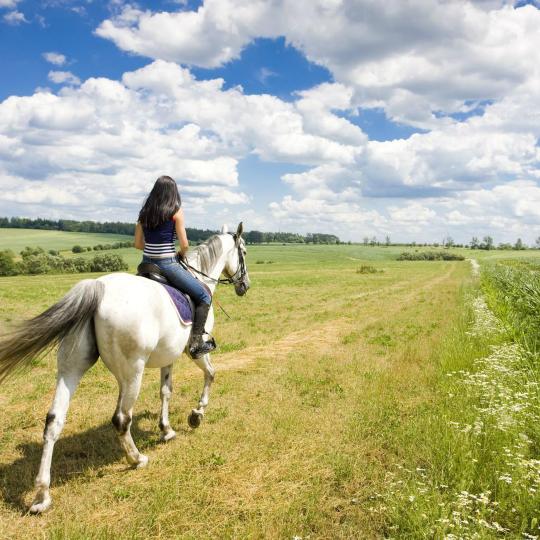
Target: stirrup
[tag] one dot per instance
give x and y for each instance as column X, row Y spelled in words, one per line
column 202, row 348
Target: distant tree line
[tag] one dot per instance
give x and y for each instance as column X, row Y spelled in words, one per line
column 259, row 237
column 68, row 225
column 37, row 261
column 487, row 243
column 195, row 236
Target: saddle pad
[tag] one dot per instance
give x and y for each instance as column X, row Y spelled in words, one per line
column 181, row 303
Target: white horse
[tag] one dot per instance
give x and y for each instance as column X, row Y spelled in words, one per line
column 131, row 323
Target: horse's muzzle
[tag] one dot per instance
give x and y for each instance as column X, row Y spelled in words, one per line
column 241, row 288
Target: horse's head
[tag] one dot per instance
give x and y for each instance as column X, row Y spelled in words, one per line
column 235, row 263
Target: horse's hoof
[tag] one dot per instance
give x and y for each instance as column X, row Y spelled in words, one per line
column 40, row 504
column 143, row 461
column 194, row 419
column 169, row 435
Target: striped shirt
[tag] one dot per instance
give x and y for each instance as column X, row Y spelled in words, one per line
column 159, row 242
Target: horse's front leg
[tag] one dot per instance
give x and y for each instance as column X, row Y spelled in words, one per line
column 167, row 433
column 196, row 415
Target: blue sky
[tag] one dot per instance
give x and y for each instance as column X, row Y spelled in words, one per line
column 415, row 121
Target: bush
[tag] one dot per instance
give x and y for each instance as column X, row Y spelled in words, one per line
column 53, row 252
column 29, row 251
column 77, row 249
column 7, row 264
column 36, row 264
column 430, row 256
column 367, row 269
column 108, row 263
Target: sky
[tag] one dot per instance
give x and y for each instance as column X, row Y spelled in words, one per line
column 418, row 120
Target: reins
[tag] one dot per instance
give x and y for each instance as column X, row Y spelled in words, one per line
column 231, row 280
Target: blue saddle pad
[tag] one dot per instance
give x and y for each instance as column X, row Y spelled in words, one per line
column 181, row 302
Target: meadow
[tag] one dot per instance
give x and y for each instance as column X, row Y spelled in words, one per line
column 333, row 413
column 18, row 239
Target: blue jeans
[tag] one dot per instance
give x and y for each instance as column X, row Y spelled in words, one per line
column 182, row 279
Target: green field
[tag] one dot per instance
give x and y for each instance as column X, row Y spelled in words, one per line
column 18, row 239
column 331, row 415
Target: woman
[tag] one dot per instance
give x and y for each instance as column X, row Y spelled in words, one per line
column 161, row 220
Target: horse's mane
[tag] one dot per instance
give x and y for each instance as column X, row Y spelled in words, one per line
column 208, row 253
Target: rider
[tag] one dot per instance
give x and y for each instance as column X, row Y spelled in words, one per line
column 161, row 220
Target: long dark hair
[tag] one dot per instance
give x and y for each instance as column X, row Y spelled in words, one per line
column 161, row 204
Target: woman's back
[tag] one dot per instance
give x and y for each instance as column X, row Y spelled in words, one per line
column 159, row 241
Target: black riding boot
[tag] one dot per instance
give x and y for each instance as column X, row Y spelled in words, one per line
column 197, row 346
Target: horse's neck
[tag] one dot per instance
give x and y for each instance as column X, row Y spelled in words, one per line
column 215, row 272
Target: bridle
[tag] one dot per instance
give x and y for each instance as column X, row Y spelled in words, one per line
column 231, row 280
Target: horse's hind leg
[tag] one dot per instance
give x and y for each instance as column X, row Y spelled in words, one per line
column 196, row 415
column 167, row 433
column 76, row 355
column 130, row 385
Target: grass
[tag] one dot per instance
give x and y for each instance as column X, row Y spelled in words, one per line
column 328, row 382
column 18, row 239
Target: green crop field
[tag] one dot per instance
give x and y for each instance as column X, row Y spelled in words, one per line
column 345, row 406
column 18, row 239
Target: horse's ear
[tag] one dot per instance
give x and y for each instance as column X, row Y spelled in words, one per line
column 239, row 231
column 224, row 229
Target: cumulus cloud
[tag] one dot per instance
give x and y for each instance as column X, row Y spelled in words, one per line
column 413, row 59
column 9, row 3
column 105, row 140
column 15, row 18
column 63, row 77
column 55, row 58
column 466, row 73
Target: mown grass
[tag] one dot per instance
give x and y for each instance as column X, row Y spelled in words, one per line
column 328, row 382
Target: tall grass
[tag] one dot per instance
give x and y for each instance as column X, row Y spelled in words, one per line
column 478, row 474
column 513, row 292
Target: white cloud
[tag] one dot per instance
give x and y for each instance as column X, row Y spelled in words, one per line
column 412, row 59
column 15, row 18
column 103, row 142
column 55, row 58
column 64, row 77
column 10, row 4
column 421, row 62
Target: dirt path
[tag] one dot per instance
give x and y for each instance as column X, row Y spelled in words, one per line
column 324, row 337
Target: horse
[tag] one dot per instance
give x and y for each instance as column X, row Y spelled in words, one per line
column 130, row 323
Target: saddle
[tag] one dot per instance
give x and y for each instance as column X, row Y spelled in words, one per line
column 152, row 271
column 180, row 300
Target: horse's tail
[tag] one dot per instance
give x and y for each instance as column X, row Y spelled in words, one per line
column 32, row 337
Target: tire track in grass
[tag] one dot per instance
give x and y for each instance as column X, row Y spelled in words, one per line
column 324, row 337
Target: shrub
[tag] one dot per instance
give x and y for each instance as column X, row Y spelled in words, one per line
column 108, row 263
column 77, row 249
column 367, row 269
column 430, row 256
column 29, row 251
column 53, row 252
column 7, row 264
column 36, row 264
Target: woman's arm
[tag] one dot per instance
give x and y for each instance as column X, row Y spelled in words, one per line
column 181, row 231
column 139, row 236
